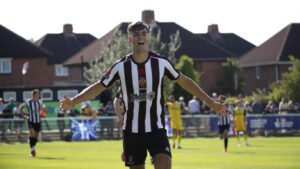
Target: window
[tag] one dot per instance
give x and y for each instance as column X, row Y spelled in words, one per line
column 61, row 70
column 257, row 73
column 46, row 95
column 8, row 95
column 5, row 65
column 27, row 95
column 68, row 93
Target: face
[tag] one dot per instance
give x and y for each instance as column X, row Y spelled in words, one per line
column 36, row 95
column 139, row 40
column 171, row 98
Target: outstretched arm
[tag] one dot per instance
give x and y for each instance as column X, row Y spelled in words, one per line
column 87, row 94
column 190, row 86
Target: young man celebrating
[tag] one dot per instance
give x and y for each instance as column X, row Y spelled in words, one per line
column 34, row 119
column 224, row 120
column 141, row 73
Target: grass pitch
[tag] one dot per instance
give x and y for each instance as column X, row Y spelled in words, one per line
column 206, row 153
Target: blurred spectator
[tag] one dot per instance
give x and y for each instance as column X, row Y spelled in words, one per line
column 11, row 105
column 61, row 123
column 269, row 108
column 4, row 124
column 194, row 106
column 72, row 113
column 283, row 106
column 248, row 108
column 291, row 107
column 18, row 121
column 204, row 109
column 106, row 122
column 85, row 111
column 184, row 109
column 44, row 115
column 257, row 107
column 214, row 97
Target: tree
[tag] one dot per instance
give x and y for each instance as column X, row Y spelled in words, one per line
column 119, row 47
column 288, row 87
column 231, row 84
column 186, row 66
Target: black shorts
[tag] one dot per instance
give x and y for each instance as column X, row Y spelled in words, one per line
column 136, row 146
column 222, row 128
column 36, row 126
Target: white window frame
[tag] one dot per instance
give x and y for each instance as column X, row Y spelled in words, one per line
column 61, row 70
column 257, row 73
column 68, row 93
column 2, row 60
column 27, row 95
column 8, row 94
column 46, row 91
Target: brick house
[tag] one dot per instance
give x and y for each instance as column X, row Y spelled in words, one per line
column 264, row 65
column 14, row 51
column 63, row 46
column 45, row 70
column 207, row 55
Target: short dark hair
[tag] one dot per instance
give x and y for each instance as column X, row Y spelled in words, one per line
column 35, row 91
column 135, row 26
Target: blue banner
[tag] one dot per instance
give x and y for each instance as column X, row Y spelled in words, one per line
column 84, row 129
column 268, row 122
column 274, row 122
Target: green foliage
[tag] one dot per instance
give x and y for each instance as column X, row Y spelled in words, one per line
column 186, row 66
column 289, row 86
column 230, row 84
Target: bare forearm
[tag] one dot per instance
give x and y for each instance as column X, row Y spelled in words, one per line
column 88, row 93
column 117, row 106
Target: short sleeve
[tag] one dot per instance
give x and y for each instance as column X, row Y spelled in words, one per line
column 170, row 71
column 110, row 76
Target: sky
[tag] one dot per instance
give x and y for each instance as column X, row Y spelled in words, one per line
column 254, row 20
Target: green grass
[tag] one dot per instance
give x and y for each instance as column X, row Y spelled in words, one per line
column 206, row 153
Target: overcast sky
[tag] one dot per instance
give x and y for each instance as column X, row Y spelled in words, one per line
column 253, row 20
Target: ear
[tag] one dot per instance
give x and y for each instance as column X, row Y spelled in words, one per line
column 129, row 38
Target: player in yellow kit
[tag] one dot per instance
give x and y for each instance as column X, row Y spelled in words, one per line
column 240, row 122
column 174, row 108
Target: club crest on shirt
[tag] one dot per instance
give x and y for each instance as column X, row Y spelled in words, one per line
column 142, row 83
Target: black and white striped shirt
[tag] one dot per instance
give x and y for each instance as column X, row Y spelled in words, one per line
column 142, row 90
column 34, row 110
column 225, row 118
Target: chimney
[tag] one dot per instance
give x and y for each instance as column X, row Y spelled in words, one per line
column 213, row 29
column 148, row 16
column 68, row 29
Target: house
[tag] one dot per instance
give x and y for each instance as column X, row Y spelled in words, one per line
column 63, row 46
column 208, row 56
column 264, row 65
column 229, row 41
column 45, row 70
column 14, row 51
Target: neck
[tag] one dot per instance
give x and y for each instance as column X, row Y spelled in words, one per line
column 140, row 57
